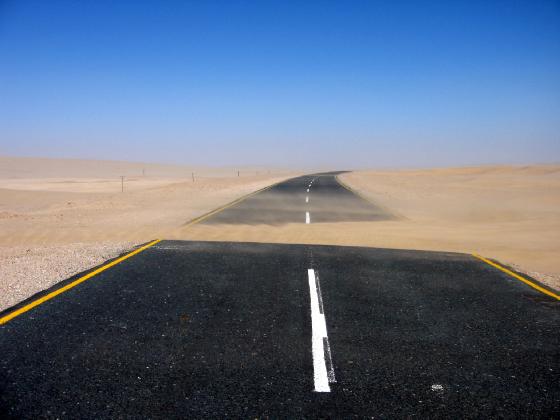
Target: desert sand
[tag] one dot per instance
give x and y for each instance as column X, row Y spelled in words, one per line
column 510, row 213
column 59, row 217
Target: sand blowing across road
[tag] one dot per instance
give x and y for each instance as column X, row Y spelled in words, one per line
column 507, row 212
column 59, row 217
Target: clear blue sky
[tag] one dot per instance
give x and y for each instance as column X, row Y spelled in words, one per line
column 343, row 84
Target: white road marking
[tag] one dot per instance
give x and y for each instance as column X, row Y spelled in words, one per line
column 320, row 339
column 307, row 218
column 307, row 199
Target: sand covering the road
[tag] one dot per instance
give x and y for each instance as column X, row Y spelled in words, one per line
column 59, row 217
column 509, row 213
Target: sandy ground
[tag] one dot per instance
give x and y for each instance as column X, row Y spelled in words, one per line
column 59, row 217
column 508, row 213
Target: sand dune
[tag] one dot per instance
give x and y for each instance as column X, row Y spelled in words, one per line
column 511, row 213
column 43, row 209
column 506, row 212
column 59, row 217
column 41, row 168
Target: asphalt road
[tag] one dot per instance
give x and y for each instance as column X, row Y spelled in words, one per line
column 320, row 195
column 201, row 329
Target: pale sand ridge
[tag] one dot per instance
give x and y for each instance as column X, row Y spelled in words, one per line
column 59, row 217
column 505, row 212
column 54, row 225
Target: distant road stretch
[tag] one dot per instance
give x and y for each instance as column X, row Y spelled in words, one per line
column 215, row 329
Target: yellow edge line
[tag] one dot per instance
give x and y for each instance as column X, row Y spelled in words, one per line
column 69, row 286
column 219, row 209
column 518, row 277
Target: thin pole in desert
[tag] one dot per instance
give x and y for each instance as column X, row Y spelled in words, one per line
column 122, row 183
column 192, row 173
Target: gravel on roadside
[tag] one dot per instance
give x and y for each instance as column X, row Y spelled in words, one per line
column 551, row 280
column 25, row 271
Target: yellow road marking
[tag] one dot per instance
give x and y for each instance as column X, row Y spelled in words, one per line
column 518, row 277
column 69, row 286
column 219, row 209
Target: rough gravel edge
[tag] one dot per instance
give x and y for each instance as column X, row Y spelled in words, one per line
column 25, row 271
column 550, row 280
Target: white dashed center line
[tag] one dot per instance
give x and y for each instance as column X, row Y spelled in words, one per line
column 307, row 199
column 307, row 218
column 320, row 340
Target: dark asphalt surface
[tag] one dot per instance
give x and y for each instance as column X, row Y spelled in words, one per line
column 201, row 329
column 285, row 203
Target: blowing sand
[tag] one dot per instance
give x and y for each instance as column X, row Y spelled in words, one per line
column 508, row 213
column 59, row 217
